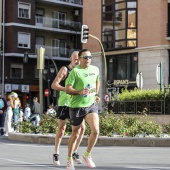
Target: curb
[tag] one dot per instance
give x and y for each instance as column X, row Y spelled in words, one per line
column 102, row 141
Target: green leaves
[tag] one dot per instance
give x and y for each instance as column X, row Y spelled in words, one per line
column 141, row 95
column 124, row 125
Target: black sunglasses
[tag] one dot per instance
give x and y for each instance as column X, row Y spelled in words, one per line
column 86, row 57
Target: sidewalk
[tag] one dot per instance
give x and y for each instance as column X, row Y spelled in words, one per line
column 102, row 141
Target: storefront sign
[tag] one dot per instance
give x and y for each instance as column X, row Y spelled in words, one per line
column 25, row 88
column 8, row 88
column 121, row 82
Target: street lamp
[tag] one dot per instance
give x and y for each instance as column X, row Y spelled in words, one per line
column 40, row 65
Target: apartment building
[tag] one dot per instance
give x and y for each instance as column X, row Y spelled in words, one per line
column 135, row 36
column 30, row 24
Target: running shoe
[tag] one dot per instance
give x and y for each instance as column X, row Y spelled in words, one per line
column 56, row 159
column 70, row 165
column 88, row 160
column 76, row 158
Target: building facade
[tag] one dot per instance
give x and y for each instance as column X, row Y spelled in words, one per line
column 134, row 34
column 29, row 25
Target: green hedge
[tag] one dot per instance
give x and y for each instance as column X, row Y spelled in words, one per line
column 137, row 94
column 124, row 125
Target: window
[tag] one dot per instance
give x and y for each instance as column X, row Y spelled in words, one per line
column 24, row 10
column 55, row 47
column 63, row 51
column 16, row 71
column 23, row 40
column 122, row 67
column 55, row 21
column 62, row 19
column 40, row 42
column 39, row 16
column 120, row 18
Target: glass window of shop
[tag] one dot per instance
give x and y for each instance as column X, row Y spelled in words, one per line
column 121, row 67
column 119, row 24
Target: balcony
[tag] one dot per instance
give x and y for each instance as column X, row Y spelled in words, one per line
column 57, row 25
column 73, row 3
column 57, row 53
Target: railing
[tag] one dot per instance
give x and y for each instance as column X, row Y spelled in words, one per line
column 155, row 107
column 73, row 1
column 59, row 52
column 58, row 24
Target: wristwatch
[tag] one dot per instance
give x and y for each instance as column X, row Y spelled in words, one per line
column 97, row 95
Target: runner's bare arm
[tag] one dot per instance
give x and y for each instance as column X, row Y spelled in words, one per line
column 60, row 76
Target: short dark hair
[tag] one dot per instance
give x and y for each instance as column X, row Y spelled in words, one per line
column 35, row 99
column 81, row 51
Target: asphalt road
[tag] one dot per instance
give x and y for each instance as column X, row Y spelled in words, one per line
column 25, row 156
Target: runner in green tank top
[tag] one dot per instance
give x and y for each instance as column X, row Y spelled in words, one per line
column 83, row 85
column 63, row 109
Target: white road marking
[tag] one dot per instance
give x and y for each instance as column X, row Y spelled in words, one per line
column 21, row 162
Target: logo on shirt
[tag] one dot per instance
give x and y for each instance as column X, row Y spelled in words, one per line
column 90, row 74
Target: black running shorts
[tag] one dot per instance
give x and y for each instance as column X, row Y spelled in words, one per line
column 63, row 112
column 77, row 114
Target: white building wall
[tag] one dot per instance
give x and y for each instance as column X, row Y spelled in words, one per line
column 148, row 59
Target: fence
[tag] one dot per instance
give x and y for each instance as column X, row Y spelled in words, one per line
column 154, row 107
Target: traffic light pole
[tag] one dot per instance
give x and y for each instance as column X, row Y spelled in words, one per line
column 104, row 57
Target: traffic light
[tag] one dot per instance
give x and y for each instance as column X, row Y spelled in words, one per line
column 84, row 33
column 27, row 97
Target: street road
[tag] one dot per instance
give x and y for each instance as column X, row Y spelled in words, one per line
column 29, row 156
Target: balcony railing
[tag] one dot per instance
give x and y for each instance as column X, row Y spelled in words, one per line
column 68, row 2
column 58, row 24
column 57, row 52
column 73, row 1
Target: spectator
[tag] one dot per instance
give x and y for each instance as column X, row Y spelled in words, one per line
column 51, row 111
column 9, row 115
column 3, row 106
column 15, row 109
column 27, row 111
column 35, row 112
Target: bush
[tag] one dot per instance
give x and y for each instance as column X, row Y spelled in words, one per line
column 137, row 94
column 124, row 125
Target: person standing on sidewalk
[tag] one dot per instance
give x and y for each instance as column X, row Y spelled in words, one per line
column 16, row 110
column 83, row 105
column 3, row 106
column 35, row 112
column 63, row 109
column 9, row 115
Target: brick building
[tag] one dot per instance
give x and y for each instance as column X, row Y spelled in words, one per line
column 135, row 37
column 31, row 24
column 134, row 33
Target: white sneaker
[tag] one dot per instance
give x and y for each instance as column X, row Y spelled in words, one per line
column 56, row 159
column 88, row 160
column 70, row 165
column 76, row 158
